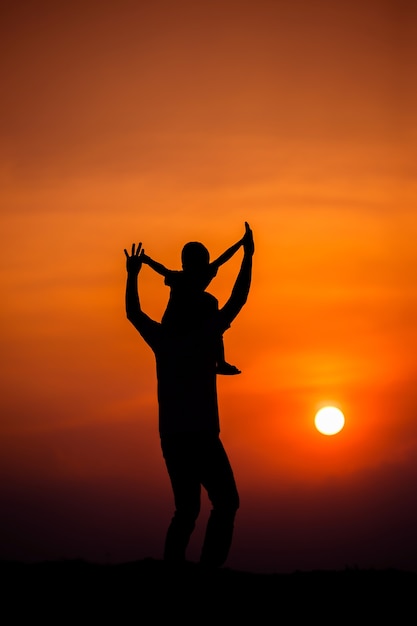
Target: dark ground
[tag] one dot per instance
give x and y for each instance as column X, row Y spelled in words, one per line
column 148, row 591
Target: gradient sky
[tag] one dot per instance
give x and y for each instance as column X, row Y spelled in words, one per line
column 163, row 122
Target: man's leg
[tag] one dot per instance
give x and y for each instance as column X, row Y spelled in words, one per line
column 179, row 459
column 218, row 479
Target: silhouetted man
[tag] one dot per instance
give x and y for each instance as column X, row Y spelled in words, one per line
column 188, row 410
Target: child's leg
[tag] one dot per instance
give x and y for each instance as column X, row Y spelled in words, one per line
column 220, row 351
column 222, row 366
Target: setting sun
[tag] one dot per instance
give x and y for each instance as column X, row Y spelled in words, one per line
column 329, row 420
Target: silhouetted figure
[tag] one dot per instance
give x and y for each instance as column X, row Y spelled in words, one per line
column 186, row 287
column 188, row 411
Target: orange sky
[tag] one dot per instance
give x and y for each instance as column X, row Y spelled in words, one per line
column 164, row 122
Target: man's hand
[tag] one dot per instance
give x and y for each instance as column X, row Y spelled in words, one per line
column 248, row 244
column 135, row 259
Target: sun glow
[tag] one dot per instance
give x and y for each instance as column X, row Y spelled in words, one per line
column 329, row 420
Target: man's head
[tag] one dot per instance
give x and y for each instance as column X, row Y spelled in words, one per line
column 194, row 257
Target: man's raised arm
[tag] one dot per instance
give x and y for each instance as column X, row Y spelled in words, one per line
column 241, row 287
column 142, row 322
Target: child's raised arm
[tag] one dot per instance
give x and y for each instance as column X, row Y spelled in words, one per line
column 227, row 254
column 157, row 267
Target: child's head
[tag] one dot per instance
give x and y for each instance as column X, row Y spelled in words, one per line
column 194, row 257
